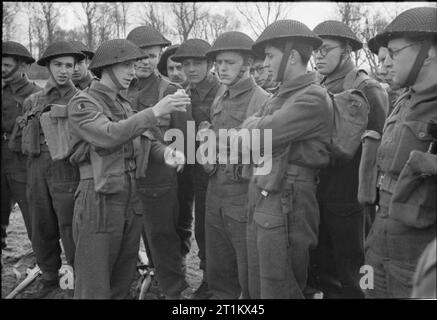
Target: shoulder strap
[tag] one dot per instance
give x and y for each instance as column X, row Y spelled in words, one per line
column 357, row 80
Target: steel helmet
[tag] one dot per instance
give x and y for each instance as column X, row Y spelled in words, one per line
column 59, row 49
column 231, row 41
column 15, row 49
column 192, row 49
column 339, row 30
column 146, row 36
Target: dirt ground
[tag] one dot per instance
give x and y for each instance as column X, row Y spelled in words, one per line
column 18, row 256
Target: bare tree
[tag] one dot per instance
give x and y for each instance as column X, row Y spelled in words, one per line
column 10, row 9
column 51, row 17
column 90, row 9
column 259, row 15
column 152, row 16
column 104, row 23
column 187, row 15
column 353, row 15
column 120, row 11
column 212, row 25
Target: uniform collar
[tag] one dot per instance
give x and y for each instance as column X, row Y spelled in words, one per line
column 17, row 83
column 85, row 81
column 62, row 90
column 205, row 86
column 242, row 86
column 104, row 90
column 297, row 83
column 426, row 95
column 140, row 83
column 340, row 73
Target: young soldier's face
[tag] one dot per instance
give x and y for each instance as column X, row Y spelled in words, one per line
column 403, row 54
column 62, row 69
column 272, row 61
column 81, row 69
column 328, row 56
column 124, row 72
column 385, row 66
column 228, row 65
column 195, row 69
column 8, row 66
column 175, row 71
column 259, row 73
column 145, row 67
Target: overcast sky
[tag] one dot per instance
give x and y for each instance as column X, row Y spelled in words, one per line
column 310, row 13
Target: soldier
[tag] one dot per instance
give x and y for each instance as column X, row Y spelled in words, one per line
column 202, row 88
column 15, row 88
column 173, row 70
column 108, row 213
column 260, row 74
column 51, row 183
column 340, row 255
column 425, row 283
column 283, row 214
column 404, row 226
column 159, row 191
column 82, row 77
column 226, row 197
column 385, row 72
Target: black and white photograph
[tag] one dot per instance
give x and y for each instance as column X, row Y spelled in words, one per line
column 218, row 151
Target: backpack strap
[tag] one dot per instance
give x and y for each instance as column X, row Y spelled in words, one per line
column 356, row 79
column 258, row 98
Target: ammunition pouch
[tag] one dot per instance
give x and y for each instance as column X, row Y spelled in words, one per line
column 413, row 201
column 54, row 124
column 368, row 172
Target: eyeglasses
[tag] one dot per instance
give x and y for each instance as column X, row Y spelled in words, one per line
column 393, row 53
column 258, row 69
column 323, row 51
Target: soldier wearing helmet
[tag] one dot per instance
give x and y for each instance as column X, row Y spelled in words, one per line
column 82, row 77
column 51, row 183
column 261, row 75
column 159, row 190
column 385, row 72
column 406, row 221
column 202, row 88
column 283, row 214
column 341, row 215
column 172, row 69
column 226, row 198
column 15, row 89
column 112, row 152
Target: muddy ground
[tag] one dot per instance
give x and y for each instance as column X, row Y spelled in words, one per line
column 18, row 256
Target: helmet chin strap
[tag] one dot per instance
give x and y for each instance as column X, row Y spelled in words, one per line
column 418, row 63
column 114, row 78
column 283, row 65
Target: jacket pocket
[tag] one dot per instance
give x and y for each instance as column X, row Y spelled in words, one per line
column 152, row 194
column 236, row 213
column 272, row 246
column 109, row 183
column 413, row 135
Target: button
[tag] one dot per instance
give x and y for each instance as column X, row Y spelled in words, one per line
column 266, row 224
column 422, row 134
column 155, row 195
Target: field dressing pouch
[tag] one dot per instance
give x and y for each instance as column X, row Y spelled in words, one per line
column 350, row 110
column 54, row 124
column 414, row 195
column 31, row 135
column 368, row 172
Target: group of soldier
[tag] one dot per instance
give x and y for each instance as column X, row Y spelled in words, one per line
column 298, row 231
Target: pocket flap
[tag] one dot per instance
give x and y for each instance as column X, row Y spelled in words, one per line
column 268, row 221
column 236, row 213
column 419, row 129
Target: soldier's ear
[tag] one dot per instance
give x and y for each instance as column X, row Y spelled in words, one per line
column 431, row 56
